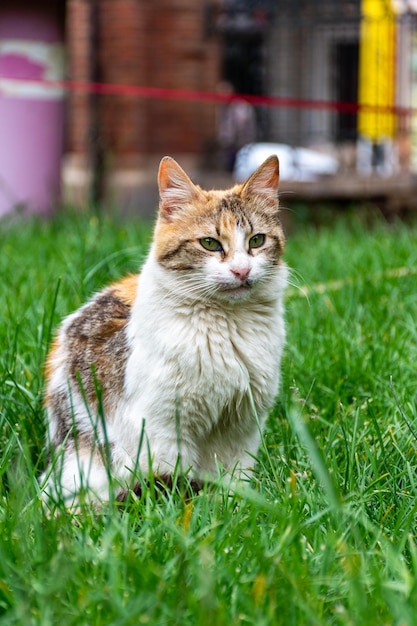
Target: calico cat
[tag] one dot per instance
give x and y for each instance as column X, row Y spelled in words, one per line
column 175, row 367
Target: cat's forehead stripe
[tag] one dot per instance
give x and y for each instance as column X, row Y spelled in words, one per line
column 231, row 213
column 248, row 213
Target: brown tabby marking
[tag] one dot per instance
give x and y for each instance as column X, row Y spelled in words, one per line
column 96, row 347
column 97, row 336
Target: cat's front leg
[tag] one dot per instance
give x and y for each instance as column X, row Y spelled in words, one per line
column 231, row 451
column 163, row 445
column 76, row 470
column 84, row 472
column 167, row 453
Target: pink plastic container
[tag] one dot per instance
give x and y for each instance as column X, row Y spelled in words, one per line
column 31, row 113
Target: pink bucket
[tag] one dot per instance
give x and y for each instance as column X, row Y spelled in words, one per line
column 31, row 113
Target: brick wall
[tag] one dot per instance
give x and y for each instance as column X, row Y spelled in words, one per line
column 77, row 25
column 158, row 43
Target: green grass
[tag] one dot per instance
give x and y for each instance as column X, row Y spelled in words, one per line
column 326, row 531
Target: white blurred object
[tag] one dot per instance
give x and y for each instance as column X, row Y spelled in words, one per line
column 404, row 6
column 301, row 164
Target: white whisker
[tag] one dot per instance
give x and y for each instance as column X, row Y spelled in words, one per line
column 191, row 289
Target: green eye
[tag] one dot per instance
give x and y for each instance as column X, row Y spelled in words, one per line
column 211, row 244
column 256, row 241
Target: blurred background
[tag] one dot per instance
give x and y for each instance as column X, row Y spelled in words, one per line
column 94, row 92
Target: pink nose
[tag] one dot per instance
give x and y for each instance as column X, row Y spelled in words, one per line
column 241, row 272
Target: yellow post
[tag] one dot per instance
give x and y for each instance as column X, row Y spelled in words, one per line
column 377, row 70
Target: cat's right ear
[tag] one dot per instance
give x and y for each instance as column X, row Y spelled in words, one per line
column 175, row 188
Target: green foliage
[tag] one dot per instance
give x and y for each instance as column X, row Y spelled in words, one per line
column 324, row 533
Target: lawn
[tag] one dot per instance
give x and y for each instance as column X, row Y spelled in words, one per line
column 325, row 533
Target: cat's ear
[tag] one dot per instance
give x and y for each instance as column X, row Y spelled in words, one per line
column 264, row 181
column 175, row 188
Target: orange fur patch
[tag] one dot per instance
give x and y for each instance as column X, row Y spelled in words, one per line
column 126, row 289
column 52, row 358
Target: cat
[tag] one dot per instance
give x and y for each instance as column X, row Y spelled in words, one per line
column 174, row 369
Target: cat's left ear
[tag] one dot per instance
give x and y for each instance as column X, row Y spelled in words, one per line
column 175, row 188
column 264, row 181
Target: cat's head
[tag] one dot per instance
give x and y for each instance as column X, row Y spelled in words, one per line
column 224, row 244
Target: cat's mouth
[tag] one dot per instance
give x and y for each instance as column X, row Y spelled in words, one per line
column 236, row 292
